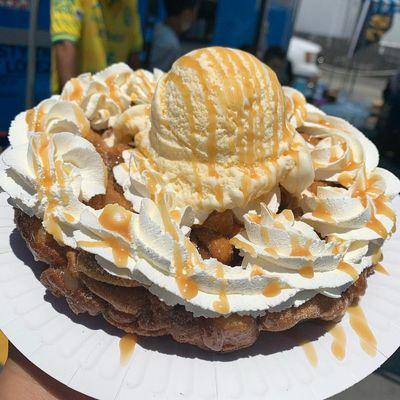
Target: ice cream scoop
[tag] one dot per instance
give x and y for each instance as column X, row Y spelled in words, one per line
column 219, row 135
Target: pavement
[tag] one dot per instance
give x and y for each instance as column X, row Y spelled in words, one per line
column 383, row 384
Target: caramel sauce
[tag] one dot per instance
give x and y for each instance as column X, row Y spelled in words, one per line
column 254, row 218
column 146, row 83
column 222, row 304
column 322, row 213
column 187, row 286
column 70, row 218
column 110, row 82
column 243, row 246
column 377, row 226
column 380, row 268
column 288, row 214
column 299, row 251
column 360, row 326
column 264, row 234
column 175, row 215
column 187, row 100
column 190, row 62
column 307, row 271
column 345, row 179
column 126, row 348
column 333, row 156
column 338, row 346
column 383, row 209
column 377, row 257
column 116, row 218
column 351, row 165
column 348, row 269
column 77, row 90
column 120, row 252
column 272, row 289
column 324, row 122
column 29, row 119
column 169, row 227
column 271, row 251
column 306, row 346
column 256, row 270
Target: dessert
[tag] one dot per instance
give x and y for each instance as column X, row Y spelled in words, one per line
column 207, row 203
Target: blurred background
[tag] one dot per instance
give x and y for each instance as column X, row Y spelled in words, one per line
column 343, row 55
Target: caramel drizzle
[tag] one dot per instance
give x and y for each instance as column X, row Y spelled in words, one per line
column 243, row 246
column 256, row 270
column 338, row 346
column 126, row 348
column 120, row 252
column 345, row 179
column 307, row 271
column 116, row 218
column 212, row 149
column 34, row 119
column 187, row 100
column 273, row 289
column 299, row 251
column 380, row 268
column 360, row 326
column 77, row 90
column 110, row 82
column 222, row 304
column 322, row 213
column 187, row 286
column 348, row 269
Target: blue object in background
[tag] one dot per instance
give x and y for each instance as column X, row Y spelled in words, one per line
column 13, row 64
column 236, row 22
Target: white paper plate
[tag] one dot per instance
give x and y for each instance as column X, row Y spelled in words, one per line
column 83, row 352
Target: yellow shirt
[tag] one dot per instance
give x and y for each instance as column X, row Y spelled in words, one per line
column 105, row 31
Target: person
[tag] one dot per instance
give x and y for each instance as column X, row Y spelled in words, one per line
column 275, row 58
column 388, row 126
column 166, row 46
column 88, row 35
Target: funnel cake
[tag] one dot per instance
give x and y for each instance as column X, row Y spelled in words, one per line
column 207, row 203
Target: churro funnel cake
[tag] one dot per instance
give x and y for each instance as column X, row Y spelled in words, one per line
column 207, row 203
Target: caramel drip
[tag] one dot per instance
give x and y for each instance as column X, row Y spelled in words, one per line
column 254, row 218
column 187, row 286
column 307, row 347
column 256, row 270
column 277, row 98
column 120, row 252
column 377, row 226
column 348, row 269
column 110, row 82
column 271, row 251
column 126, row 348
column 187, row 100
column 380, row 268
column 247, row 90
column 272, row 289
column 351, row 165
column 264, row 234
column 222, row 304
column 45, row 183
column 324, row 122
column 307, row 271
column 77, row 90
column 189, row 62
column 345, row 179
column 299, row 251
column 383, row 209
column 322, row 213
column 333, row 156
column 377, row 257
column 70, row 218
column 175, row 215
column 146, row 83
column 243, row 246
column 360, row 326
column 84, row 127
column 338, row 346
column 30, row 119
column 116, row 218
column 169, row 226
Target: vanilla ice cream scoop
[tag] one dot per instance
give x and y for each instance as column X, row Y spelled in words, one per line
column 219, row 129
